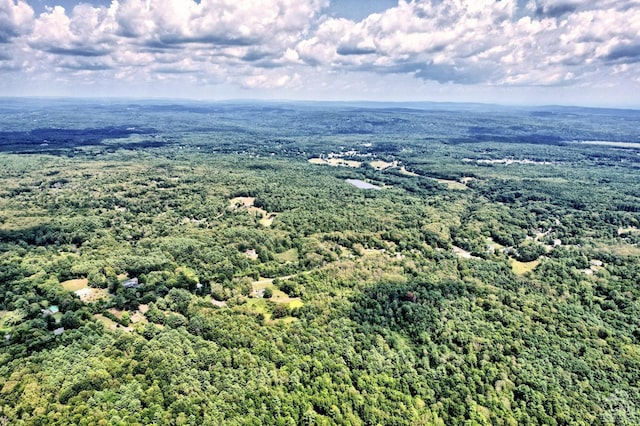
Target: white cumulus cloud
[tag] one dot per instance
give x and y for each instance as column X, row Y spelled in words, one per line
column 298, row 44
column 16, row 18
column 483, row 41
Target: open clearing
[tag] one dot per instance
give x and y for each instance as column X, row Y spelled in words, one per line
column 108, row 324
column 520, row 268
column 75, row 285
column 19, row 220
column 134, row 317
column 620, row 249
column 260, row 306
column 406, row 172
column 382, row 165
column 336, row 162
column 88, row 294
column 278, row 296
column 83, row 291
column 290, row 255
column 317, row 161
column 493, row 246
column 117, row 312
column 453, row 184
column 344, row 163
column 266, row 218
column 92, row 294
column 10, row 318
column 460, row 252
column 245, row 202
column 296, row 303
column 218, row 303
column 630, row 230
column 138, row 317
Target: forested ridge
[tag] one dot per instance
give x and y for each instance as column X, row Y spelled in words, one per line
column 204, row 265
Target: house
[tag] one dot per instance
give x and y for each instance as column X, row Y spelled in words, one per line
column 132, row 283
column 58, row 331
column 51, row 310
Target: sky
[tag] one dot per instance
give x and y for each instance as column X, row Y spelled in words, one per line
column 563, row 52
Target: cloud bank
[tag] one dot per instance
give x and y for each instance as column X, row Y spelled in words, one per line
column 296, row 44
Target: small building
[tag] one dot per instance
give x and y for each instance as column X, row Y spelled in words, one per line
column 58, row 331
column 51, row 310
column 132, row 283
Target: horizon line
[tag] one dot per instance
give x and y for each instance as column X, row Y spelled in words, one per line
column 164, row 99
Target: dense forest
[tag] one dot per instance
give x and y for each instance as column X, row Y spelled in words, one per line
column 263, row 263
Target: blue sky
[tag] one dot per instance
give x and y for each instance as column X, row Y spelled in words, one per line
column 579, row 52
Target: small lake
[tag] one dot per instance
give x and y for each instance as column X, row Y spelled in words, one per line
column 616, row 144
column 362, row 184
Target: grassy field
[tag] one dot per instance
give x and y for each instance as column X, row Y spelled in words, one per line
column 630, row 230
column 81, row 287
column 381, row 165
column 259, row 306
column 75, row 285
column 521, row 268
column 9, row 319
column 290, row 255
column 462, row 253
column 242, row 202
column 620, row 249
column 317, row 161
column 495, row 244
column 453, row 185
column 267, row 219
column 108, row 324
column 296, row 303
column 336, row 162
column 88, row 294
column 406, row 172
column 278, row 296
column 344, row 163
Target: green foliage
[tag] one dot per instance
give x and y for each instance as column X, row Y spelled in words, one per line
column 372, row 317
